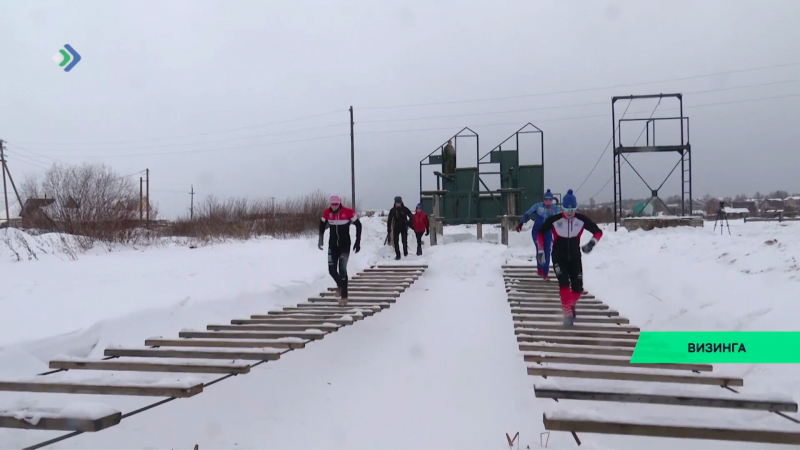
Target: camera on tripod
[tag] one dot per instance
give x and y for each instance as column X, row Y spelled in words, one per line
column 722, row 216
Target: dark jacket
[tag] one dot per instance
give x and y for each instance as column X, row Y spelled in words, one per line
column 339, row 222
column 399, row 219
column 567, row 235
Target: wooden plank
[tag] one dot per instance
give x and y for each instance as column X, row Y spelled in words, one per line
column 554, row 358
column 718, row 399
column 316, row 314
column 78, row 417
column 232, row 343
column 354, row 301
column 261, row 354
column 247, row 335
column 323, row 312
column 577, row 423
column 388, row 275
column 578, row 320
column 393, row 270
column 577, row 341
column 402, row 266
column 579, row 326
column 557, row 310
column 525, row 295
column 331, row 304
column 359, row 294
column 566, row 371
column 235, row 367
column 566, row 332
column 367, row 288
column 276, row 327
column 552, row 303
column 310, row 322
column 113, row 387
column 304, row 307
column 577, row 349
column 308, row 314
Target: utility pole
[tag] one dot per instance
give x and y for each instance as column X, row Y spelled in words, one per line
column 147, row 174
column 191, row 206
column 5, row 189
column 352, row 160
column 141, row 200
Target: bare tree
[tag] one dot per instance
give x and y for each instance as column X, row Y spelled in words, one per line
column 91, row 200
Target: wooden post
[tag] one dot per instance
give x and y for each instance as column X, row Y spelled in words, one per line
column 147, row 212
column 5, row 190
column 504, row 230
column 141, row 199
column 434, row 225
column 352, row 160
column 191, row 205
column 480, row 231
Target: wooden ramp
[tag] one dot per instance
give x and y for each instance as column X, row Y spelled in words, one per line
column 174, row 364
column 590, row 362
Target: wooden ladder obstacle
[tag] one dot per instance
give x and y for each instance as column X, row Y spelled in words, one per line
column 598, row 347
column 219, row 349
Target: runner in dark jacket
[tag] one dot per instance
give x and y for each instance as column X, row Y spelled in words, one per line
column 566, row 229
column 397, row 225
column 339, row 219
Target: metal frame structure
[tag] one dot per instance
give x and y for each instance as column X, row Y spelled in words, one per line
column 511, row 178
column 683, row 149
column 505, row 198
column 435, row 160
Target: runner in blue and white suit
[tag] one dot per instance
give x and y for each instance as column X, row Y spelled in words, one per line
column 540, row 212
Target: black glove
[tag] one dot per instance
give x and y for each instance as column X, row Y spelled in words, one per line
column 319, row 244
column 357, row 247
column 540, row 258
column 519, row 227
column 588, row 247
column 427, row 232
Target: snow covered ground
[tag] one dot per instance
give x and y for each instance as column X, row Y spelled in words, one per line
column 440, row 369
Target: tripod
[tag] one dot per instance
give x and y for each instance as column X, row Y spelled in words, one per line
column 722, row 216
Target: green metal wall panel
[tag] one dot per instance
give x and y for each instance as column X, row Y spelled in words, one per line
column 490, row 207
column 531, row 179
column 509, row 166
column 466, row 204
column 427, row 205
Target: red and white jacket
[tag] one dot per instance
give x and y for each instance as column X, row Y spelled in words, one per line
column 567, row 234
column 339, row 222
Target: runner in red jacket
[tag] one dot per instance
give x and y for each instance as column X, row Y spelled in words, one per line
column 339, row 219
column 420, row 225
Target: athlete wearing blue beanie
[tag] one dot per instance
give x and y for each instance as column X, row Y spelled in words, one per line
column 541, row 211
column 566, row 229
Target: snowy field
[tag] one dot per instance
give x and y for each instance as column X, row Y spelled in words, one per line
column 440, row 369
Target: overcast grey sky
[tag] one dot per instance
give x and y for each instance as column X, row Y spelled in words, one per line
column 220, row 73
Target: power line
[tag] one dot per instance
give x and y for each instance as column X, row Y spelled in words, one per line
column 269, row 144
column 589, row 116
column 574, row 91
column 195, row 151
column 195, row 134
column 182, row 144
column 579, row 105
column 634, row 144
column 605, row 149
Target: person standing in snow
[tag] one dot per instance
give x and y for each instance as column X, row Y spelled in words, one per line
column 566, row 229
column 397, row 224
column 541, row 211
column 421, row 225
column 339, row 219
